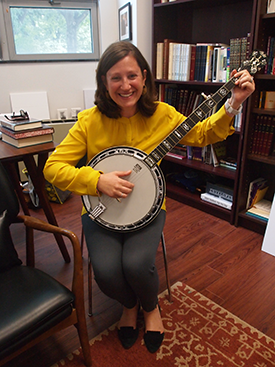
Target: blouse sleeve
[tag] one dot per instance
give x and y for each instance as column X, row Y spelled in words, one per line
column 61, row 170
column 215, row 128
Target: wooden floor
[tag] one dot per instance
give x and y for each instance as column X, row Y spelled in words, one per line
column 221, row 261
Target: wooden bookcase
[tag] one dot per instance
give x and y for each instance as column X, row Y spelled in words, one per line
column 255, row 165
column 212, row 21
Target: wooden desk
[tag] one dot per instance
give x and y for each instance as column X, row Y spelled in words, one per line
column 10, row 156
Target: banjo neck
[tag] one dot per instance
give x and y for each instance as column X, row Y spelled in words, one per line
column 197, row 115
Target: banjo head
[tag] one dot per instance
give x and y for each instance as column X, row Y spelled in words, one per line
column 141, row 205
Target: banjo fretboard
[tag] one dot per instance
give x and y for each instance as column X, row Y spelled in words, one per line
column 197, row 115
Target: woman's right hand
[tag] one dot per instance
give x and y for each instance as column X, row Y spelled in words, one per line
column 114, row 185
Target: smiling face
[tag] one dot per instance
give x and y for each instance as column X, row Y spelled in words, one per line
column 124, row 82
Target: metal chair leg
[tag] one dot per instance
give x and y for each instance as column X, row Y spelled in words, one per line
column 166, row 267
column 90, row 293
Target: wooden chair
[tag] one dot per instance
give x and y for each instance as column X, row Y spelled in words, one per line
column 33, row 304
column 90, row 296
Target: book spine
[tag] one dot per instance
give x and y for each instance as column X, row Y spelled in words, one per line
column 197, row 63
column 270, row 56
column 269, row 100
column 270, row 137
column 255, row 134
column 159, row 60
column 259, row 135
column 185, row 101
column 192, row 62
column 165, row 58
column 202, row 65
column 27, row 134
column 266, row 134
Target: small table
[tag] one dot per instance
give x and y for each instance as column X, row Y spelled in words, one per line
column 10, row 156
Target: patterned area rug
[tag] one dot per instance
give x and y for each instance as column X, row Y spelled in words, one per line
column 198, row 333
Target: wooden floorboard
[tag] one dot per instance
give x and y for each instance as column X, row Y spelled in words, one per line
column 222, row 262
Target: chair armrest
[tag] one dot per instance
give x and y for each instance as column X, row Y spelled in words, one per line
column 77, row 282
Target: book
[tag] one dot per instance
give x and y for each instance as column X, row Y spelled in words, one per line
column 270, row 6
column 228, row 162
column 25, row 142
column 261, row 209
column 166, row 43
column 253, row 146
column 235, row 53
column 208, row 159
column 44, row 130
column 270, row 137
column 180, row 150
column 215, row 160
column 270, row 55
column 185, row 61
column 174, row 155
column 208, row 66
column 220, row 190
column 216, row 200
column 197, row 154
column 192, row 62
column 255, row 190
column 20, row 125
column 216, row 64
column 159, row 60
column 269, row 100
column 220, row 149
column 222, row 65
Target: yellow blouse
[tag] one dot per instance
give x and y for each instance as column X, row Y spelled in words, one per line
column 94, row 132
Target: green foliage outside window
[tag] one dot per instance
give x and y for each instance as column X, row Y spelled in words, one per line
column 42, row 31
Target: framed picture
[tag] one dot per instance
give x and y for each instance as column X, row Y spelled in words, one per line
column 125, row 22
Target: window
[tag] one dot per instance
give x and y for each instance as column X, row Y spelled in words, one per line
column 49, row 30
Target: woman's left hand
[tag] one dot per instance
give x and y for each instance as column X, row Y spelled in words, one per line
column 244, row 87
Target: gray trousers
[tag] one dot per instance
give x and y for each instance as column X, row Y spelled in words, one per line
column 124, row 263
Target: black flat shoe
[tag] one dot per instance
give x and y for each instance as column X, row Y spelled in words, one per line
column 127, row 336
column 153, row 340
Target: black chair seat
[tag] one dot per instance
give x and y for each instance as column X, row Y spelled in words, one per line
column 31, row 303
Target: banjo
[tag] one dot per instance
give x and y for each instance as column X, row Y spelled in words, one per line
column 145, row 201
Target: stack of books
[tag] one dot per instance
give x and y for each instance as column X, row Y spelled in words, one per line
column 218, row 194
column 178, row 152
column 263, row 135
column 25, row 132
column 260, row 210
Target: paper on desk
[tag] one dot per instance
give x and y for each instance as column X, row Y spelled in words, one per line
column 35, row 103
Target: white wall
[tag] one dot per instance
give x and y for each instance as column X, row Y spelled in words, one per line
column 64, row 82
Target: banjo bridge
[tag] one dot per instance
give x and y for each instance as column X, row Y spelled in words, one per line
column 97, row 211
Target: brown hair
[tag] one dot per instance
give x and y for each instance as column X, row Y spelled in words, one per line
column 114, row 53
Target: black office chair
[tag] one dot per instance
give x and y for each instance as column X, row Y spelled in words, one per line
column 90, row 296
column 34, row 305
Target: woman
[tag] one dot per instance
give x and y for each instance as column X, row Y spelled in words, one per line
column 126, row 113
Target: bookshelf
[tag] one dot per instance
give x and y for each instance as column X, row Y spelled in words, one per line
column 192, row 22
column 254, row 164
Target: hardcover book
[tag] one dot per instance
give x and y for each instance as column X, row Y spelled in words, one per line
column 19, row 125
column 26, row 142
column 260, row 210
column 44, row 130
column 257, row 188
column 219, row 190
column 216, row 200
